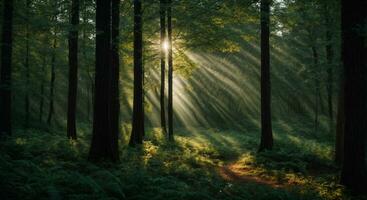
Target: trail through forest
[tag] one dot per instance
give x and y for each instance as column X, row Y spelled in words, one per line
column 234, row 172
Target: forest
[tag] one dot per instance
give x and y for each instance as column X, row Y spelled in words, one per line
column 183, row 99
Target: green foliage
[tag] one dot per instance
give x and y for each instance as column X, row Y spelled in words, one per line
column 41, row 165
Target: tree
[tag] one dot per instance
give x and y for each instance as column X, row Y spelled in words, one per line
column 104, row 140
column 354, row 175
column 115, row 71
column 138, row 113
column 170, row 72
column 26, row 65
column 42, row 88
column 339, row 135
column 318, row 101
column 73, row 69
column 329, row 60
column 5, row 73
column 266, row 130
column 163, row 63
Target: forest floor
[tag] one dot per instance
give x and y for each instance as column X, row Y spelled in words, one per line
column 233, row 172
column 200, row 164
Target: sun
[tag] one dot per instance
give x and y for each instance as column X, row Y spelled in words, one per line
column 165, row 46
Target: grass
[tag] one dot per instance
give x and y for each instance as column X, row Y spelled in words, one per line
column 41, row 165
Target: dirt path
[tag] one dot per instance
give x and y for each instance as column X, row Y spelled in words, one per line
column 236, row 173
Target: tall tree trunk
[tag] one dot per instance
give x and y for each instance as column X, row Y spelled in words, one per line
column 115, row 71
column 138, row 114
column 42, row 89
column 26, row 64
column 5, row 70
column 104, row 140
column 170, row 72
column 354, row 175
column 315, row 56
column 52, row 82
column 163, row 63
column 339, row 135
column 330, row 71
column 143, row 95
column 266, row 127
column 73, row 70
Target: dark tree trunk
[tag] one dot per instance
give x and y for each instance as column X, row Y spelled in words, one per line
column 339, row 137
column 330, row 71
column 315, row 56
column 26, row 64
column 138, row 114
column 266, row 130
column 5, row 73
column 115, row 71
column 52, row 82
column 104, row 140
column 73, row 70
column 170, row 72
column 143, row 108
column 354, row 175
column 42, row 89
column 163, row 63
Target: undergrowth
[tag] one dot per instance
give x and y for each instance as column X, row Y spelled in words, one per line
column 41, row 165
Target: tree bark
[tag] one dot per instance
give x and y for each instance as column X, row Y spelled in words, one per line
column 339, row 135
column 163, row 63
column 315, row 56
column 138, row 113
column 26, row 64
column 73, row 70
column 330, row 71
column 5, row 71
column 266, row 127
column 42, row 89
column 115, row 71
column 104, row 140
column 354, row 175
column 170, row 72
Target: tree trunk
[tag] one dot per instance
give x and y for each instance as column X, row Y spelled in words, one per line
column 138, row 114
column 73, row 70
column 170, row 72
column 163, row 63
column 26, row 64
column 330, row 72
column 315, row 56
column 42, row 89
column 266, row 127
column 115, row 71
column 339, row 135
column 5, row 70
column 143, row 95
column 104, row 140
column 354, row 175
column 52, row 82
